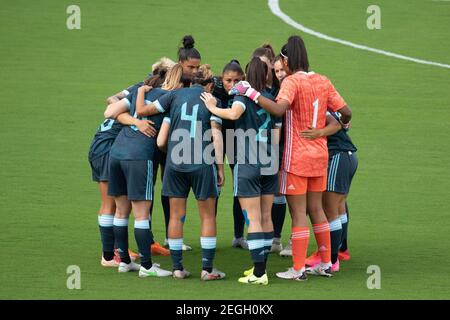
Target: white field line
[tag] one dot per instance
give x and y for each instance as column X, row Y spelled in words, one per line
column 275, row 8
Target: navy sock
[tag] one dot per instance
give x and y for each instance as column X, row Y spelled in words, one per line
column 238, row 219
column 255, row 242
column 344, row 222
column 176, row 252
column 335, row 237
column 121, row 235
column 268, row 240
column 208, row 252
column 166, row 209
column 278, row 216
column 106, row 226
column 143, row 238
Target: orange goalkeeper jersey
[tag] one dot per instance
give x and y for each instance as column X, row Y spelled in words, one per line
column 310, row 95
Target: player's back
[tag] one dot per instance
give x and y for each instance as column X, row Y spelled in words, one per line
column 189, row 121
column 131, row 144
column 257, row 124
column 310, row 95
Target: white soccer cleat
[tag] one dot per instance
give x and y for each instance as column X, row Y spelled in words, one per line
column 132, row 266
column 287, row 251
column 109, row 264
column 240, row 243
column 276, row 245
column 213, row 275
column 321, row 269
column 292, row 274
column 181, row 274
column 154, row 271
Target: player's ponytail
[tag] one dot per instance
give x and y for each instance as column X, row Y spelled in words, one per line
column 233, row 66
column 187, row 51
column 173, row 78
column 295, row 51
column 257, row 73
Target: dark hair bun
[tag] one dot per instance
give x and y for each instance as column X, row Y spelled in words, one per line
column 235, row 61
column 188, row 42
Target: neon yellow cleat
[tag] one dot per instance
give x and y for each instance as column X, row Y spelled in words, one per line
column 249, row 272
column 252, row 279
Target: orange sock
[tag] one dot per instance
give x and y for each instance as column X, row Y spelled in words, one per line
column 322, row 234
column 300, row 237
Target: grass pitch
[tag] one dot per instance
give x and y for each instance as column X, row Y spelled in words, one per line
column 53, row 87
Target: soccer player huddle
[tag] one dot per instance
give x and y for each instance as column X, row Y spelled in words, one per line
column 282, row 129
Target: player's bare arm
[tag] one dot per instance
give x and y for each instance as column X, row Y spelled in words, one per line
column 232, row 113
column 332, row 126
column 163, row 136
column 218, row 151
column 142, row 109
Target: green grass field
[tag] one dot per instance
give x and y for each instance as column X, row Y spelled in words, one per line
column 53, row 87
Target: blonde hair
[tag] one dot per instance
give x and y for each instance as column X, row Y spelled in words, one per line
column 163, row 63
column 173, row 78
column 203, row 76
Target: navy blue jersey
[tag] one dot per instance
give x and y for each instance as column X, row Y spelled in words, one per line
column 189, row 120
column 273, row 91
column 258, row 121
column 132, row 88
column 340, row 141
column 224, row 100
column 131, row 144
column 108, row 131
column 104, row 138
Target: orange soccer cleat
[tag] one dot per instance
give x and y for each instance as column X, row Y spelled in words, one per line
column 133, row 255
column 344, row 255
column 313, row 259
column 158, row 250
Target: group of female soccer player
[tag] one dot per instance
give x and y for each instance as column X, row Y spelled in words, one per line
column 292, row 110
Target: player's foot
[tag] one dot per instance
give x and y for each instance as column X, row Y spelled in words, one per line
column 154, row 271
column 335, row 266
column 185, row 247
column 287, row 251
column 109, row 263
column 344, row 255
column 124, row 267
column 276, row 245
column 213, row 275
column 249, row 271
column 240, row 243
column 181, row 274
column 320, row 269
column 158, row 250
column 292, row 274
column 313, row 259
column 252, row 279
column 133, row 255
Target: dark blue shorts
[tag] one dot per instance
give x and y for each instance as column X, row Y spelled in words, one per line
column 133, row 178
column 177, row 184
column 342, row 166
column 100, row 168
column 248, row 181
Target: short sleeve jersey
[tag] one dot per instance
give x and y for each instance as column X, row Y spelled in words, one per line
column 310, row 95
column 340, row 141
column 255, row 124
column 131, row 144
column 189, row 121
